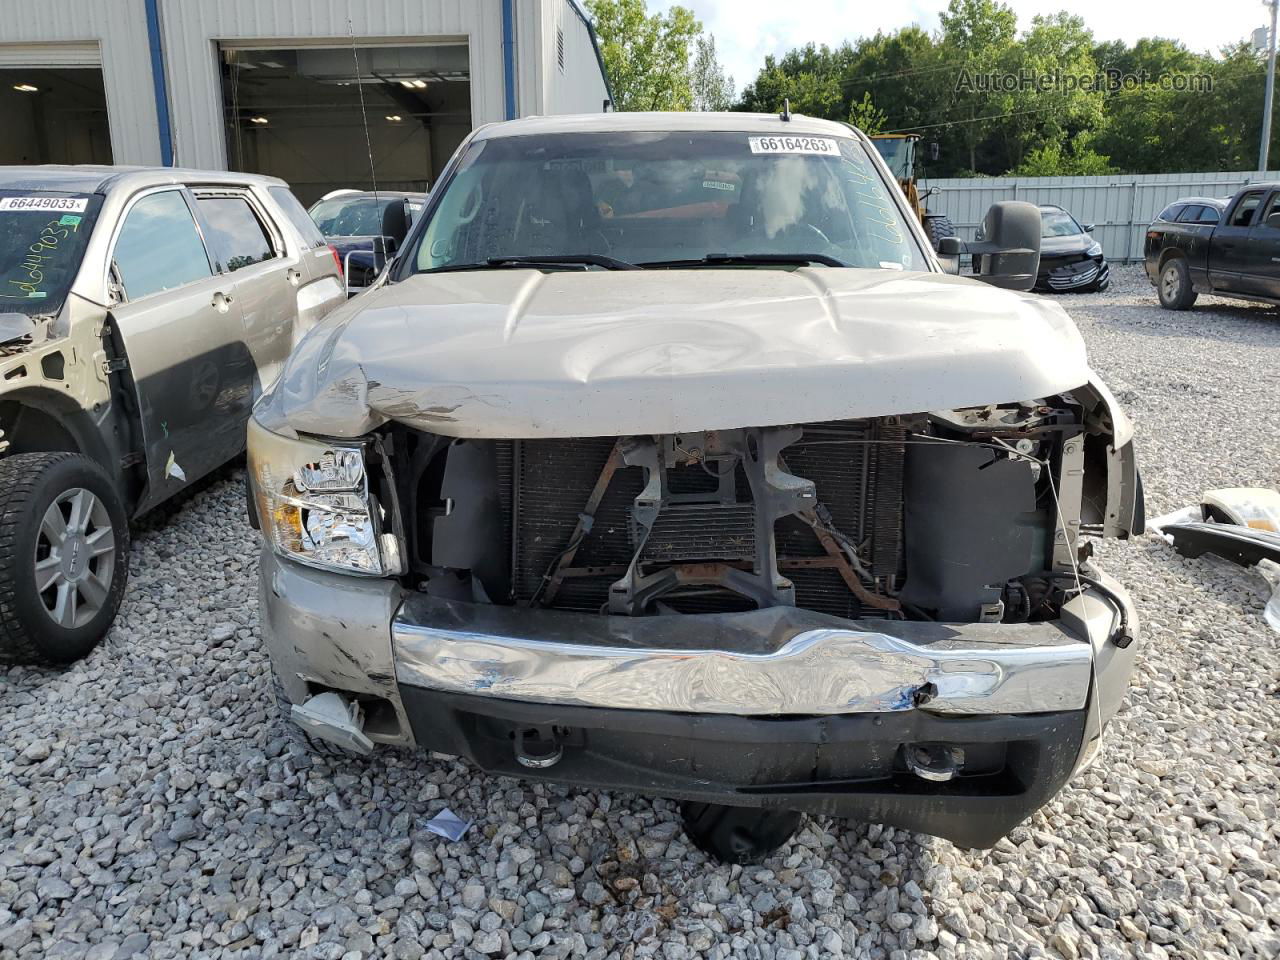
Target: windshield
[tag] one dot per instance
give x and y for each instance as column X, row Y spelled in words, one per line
column 649, row 197
column 898, row 154
column 42, row 239
column 351, row 216
column 1058, row 223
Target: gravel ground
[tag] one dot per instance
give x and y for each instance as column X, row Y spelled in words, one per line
column 152, row 804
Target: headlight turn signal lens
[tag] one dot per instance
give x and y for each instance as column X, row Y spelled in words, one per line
column 314, row 504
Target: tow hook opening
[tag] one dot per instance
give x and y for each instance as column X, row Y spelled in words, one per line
column 538, row 748
column 935, row 762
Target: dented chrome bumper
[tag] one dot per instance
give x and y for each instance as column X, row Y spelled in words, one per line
column 777, row 661
column 370, row 638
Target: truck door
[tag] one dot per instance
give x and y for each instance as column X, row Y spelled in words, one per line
column 1262, row 269
column 248, row 247
column 179, row 326
column 1229, row 247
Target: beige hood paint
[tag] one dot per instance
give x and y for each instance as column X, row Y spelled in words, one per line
column 522, row 354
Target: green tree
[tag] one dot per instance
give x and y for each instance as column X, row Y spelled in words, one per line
column 1057, row 49
column 647, row 55
column 866, row 116
column 712, row 90
column 977, row 37
column 811, row 77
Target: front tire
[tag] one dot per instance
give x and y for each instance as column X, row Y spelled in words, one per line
column 64, row 557
column 737, row 834
column 1174, row 286
column 938, row 228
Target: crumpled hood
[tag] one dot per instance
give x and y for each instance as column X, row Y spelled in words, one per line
column 522, row 354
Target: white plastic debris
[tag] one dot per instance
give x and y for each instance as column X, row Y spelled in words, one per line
column 1185, row 515
column 446, row 824
column 172, row 470
column 1270, row 571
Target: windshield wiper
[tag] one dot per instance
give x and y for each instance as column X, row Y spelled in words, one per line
column 565, row 261
column 731, row 259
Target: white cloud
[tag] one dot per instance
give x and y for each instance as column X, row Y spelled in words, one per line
column 747, row 30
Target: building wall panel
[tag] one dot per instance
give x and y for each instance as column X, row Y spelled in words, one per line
column 194, row 28
column 119, row 27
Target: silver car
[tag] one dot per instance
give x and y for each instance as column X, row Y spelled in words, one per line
column 142, row 311
column 666, row 457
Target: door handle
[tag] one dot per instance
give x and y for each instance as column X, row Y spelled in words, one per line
column 295, row 277
column 221, row 302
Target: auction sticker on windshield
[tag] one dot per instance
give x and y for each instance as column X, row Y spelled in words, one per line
column 44, row 204
column 822, row 146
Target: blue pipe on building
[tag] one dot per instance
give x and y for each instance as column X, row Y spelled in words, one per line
column 159, row 81
column 509, row 57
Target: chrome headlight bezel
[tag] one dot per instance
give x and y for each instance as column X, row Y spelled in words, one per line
column 314, row 504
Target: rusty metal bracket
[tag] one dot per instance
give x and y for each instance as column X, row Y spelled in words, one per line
column 552, row 579
column 841, row 563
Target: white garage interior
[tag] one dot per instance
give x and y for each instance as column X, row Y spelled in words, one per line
column 277, row 87
column 323, row 117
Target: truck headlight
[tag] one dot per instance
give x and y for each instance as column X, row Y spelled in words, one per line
column 314, row 506
column 1095, row 250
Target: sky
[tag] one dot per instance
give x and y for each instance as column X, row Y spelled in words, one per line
column 747, row 30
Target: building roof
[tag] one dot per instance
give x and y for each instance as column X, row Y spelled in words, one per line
column 756, row 123
column 91, row 178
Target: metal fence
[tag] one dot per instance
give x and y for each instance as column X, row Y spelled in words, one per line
column 1119, row 206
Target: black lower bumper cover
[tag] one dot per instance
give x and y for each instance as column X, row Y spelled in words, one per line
column 845, row 766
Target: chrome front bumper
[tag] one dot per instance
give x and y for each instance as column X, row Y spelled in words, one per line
column 774, row 662
column 370, row 638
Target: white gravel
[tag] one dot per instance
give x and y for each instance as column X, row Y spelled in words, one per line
column 152, row 804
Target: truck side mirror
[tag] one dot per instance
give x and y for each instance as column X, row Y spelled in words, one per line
column 1273, row 220
column 1008, row 256
column 395, row 223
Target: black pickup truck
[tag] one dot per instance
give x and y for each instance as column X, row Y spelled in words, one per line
column 1229, row 248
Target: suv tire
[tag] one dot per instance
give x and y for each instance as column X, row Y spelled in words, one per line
column 1174, row 285
column 64, row 557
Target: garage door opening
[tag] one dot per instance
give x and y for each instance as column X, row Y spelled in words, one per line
column 53, row 115
column 296, row 113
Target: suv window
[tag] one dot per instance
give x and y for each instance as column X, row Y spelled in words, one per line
column 159, row 247
column 235, row 233
column 1209, row 214
column 1169, row 213
column 1191, row 213
column 1243, row 215
column 298, row 216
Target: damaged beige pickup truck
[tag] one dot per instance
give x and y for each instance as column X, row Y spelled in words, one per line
column 666, row 457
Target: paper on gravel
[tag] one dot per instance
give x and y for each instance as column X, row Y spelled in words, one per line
column 446, row 824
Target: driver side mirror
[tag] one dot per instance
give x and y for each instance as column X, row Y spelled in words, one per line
column 1008, row 256
column 1273, row 220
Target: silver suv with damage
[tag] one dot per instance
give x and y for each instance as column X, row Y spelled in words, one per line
column 142, row 311
column 667, row 457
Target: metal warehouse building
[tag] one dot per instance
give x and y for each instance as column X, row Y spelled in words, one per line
column 284, row 87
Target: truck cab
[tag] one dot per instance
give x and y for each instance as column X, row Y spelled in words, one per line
column 1228, row 248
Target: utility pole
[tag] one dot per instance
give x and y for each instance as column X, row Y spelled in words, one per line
column 1271, row 86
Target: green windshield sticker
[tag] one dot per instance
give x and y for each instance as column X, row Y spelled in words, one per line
column 69, row 220
column 40, row 257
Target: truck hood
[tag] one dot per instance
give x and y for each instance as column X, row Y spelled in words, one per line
column 523, row 354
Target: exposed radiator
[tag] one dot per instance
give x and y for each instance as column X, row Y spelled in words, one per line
column 856, row 465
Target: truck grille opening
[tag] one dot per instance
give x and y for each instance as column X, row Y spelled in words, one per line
column 706, row 521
